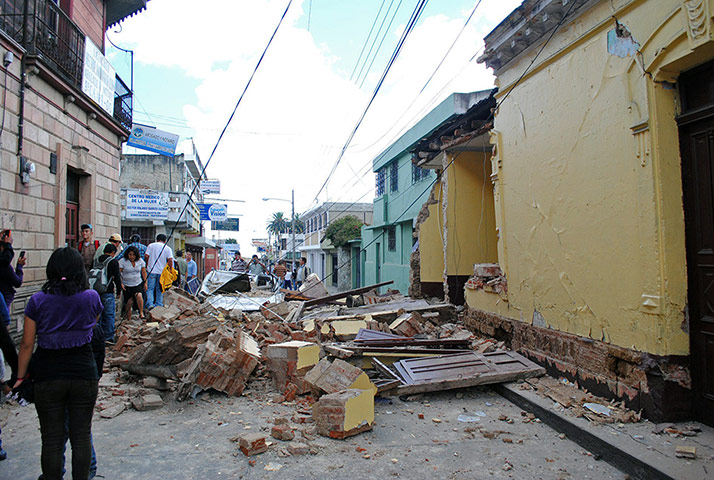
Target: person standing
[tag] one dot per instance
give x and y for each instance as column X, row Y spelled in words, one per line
column 157, row 255
column 88, row 247
column 280, row 272
column 114, row 239
column 6, row 343
column 239, row 265
column 255, row 267
column 181, row 266
column 191, row 271
column 302, row 272
column 61, row 318
column 133, row 281
column 113, row 289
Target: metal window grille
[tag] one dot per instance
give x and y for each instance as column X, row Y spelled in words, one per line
column 419, row 174
column 380, row 180
column 392, row 238
column 394, row 177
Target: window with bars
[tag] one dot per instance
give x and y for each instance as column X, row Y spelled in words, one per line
column 419, row 174
column 392, row 238
column 394, row 177
column 381, row 177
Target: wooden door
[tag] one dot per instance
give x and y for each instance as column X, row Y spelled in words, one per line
column 696, row 138
column 72, row 235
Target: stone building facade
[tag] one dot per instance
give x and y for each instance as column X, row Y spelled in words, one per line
column 59, row 149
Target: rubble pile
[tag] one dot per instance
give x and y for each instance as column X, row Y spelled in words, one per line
column 316, row 352
column 581, row 403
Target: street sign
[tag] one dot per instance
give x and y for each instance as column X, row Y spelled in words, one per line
column 153, row 140
column 211, row 187
column 229, row 224
column 147, row 204
column 213, row 211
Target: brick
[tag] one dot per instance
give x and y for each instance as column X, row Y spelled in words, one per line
column 290, row 361
column 344, row 414
column 147, row 402
column 332, row 377
column 252, row 444
column 407, row 324
column 298, row 448
column 282, row 432
column 154, row 382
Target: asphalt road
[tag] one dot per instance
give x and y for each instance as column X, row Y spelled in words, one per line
column 192, row 440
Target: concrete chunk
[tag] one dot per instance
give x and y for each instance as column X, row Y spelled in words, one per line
column 147, row 402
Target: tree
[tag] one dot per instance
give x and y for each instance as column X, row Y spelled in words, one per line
column 343, row 230
column 230, row 241
column 278, row 224
column 299, row 224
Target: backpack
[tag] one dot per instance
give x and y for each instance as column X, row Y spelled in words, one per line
column 99, row 277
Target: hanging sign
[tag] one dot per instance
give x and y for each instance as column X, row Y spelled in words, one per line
column 147, row 204
column 211, row 187
column 213, row 211
column 153, row 140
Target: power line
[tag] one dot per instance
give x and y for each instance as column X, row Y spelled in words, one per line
column 379, row 47
column 240, row 99
column 364, row 45
column 489, row 118
column 374, row 40
column 418, row 9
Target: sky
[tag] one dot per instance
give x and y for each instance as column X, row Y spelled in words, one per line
column 191, row 65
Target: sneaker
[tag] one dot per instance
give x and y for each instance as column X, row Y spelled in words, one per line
column 3, row 454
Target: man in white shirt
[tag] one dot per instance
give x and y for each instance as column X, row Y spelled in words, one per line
column 157, row 255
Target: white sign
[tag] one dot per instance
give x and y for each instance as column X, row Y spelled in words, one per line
column 218, row 212
column 211, row 187
column 147, row 204
column 98, row 77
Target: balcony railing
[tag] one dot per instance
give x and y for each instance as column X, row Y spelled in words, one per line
column 43, row 29
column 123, row 103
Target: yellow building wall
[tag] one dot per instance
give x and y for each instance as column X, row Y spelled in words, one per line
column 588, row 189
column 431, row 247
column 470, row 214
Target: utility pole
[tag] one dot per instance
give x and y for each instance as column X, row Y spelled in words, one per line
column 293, row 229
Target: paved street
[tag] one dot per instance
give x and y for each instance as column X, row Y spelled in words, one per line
column 191, row 440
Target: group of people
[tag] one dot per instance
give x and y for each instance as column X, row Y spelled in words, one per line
column 71, row 322
column 287, row 278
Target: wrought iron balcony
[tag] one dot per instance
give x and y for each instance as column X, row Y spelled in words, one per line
column 44, row 30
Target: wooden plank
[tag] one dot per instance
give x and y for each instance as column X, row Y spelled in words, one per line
column 365, row 334
column 408, row 304
column 386, row 385
column 347, row 293
column 463, row 370
column 404, row 341
column 384, row 370
column 366, row 350
column 338, row 352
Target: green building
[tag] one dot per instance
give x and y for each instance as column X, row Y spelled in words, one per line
column 401, row 189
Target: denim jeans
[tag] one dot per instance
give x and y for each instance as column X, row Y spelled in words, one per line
column 108, row 315
column 7, row 346
column 56, row 402
column 154, row 295
column 92, row 463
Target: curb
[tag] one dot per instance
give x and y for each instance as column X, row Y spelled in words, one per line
column 620, row 458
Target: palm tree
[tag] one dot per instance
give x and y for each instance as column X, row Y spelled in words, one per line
column 299, row 224
column 278, row 224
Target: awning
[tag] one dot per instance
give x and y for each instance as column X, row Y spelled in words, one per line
column 118, row 10
column 201, row 242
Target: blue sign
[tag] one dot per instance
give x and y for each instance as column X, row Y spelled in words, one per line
column 229, row 224
column 216, row 212
column 153, row 140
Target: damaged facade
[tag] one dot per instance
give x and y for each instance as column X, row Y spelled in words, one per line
column 597, row 138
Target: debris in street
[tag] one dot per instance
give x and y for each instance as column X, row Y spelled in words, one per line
column 332, row 377
column 685, row 451
column 344, row 414
column 252, row 444
column 290, row 361
column 147, row 402
column 223, row 363
column 599, row 409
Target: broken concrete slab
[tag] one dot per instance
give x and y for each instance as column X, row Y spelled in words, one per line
column 170, row 345
column 290, row 361
column 154, row 382
column 332, row 377
column 223, row 363
column 275, row 311
column 112, row 410
column 164, row 314
column 344, row 414
column 298, row 448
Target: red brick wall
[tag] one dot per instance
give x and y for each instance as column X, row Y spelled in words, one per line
column 89, row 16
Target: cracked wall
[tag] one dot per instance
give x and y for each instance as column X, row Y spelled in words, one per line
column 588, row 182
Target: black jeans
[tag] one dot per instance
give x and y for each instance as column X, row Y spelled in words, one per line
column 8, row 350
column 53, row 400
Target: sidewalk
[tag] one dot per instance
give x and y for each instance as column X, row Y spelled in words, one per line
column 633, row 447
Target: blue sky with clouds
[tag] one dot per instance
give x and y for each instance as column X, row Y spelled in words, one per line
column 190, row 66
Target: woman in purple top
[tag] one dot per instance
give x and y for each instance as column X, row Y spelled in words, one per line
column 61, row 317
